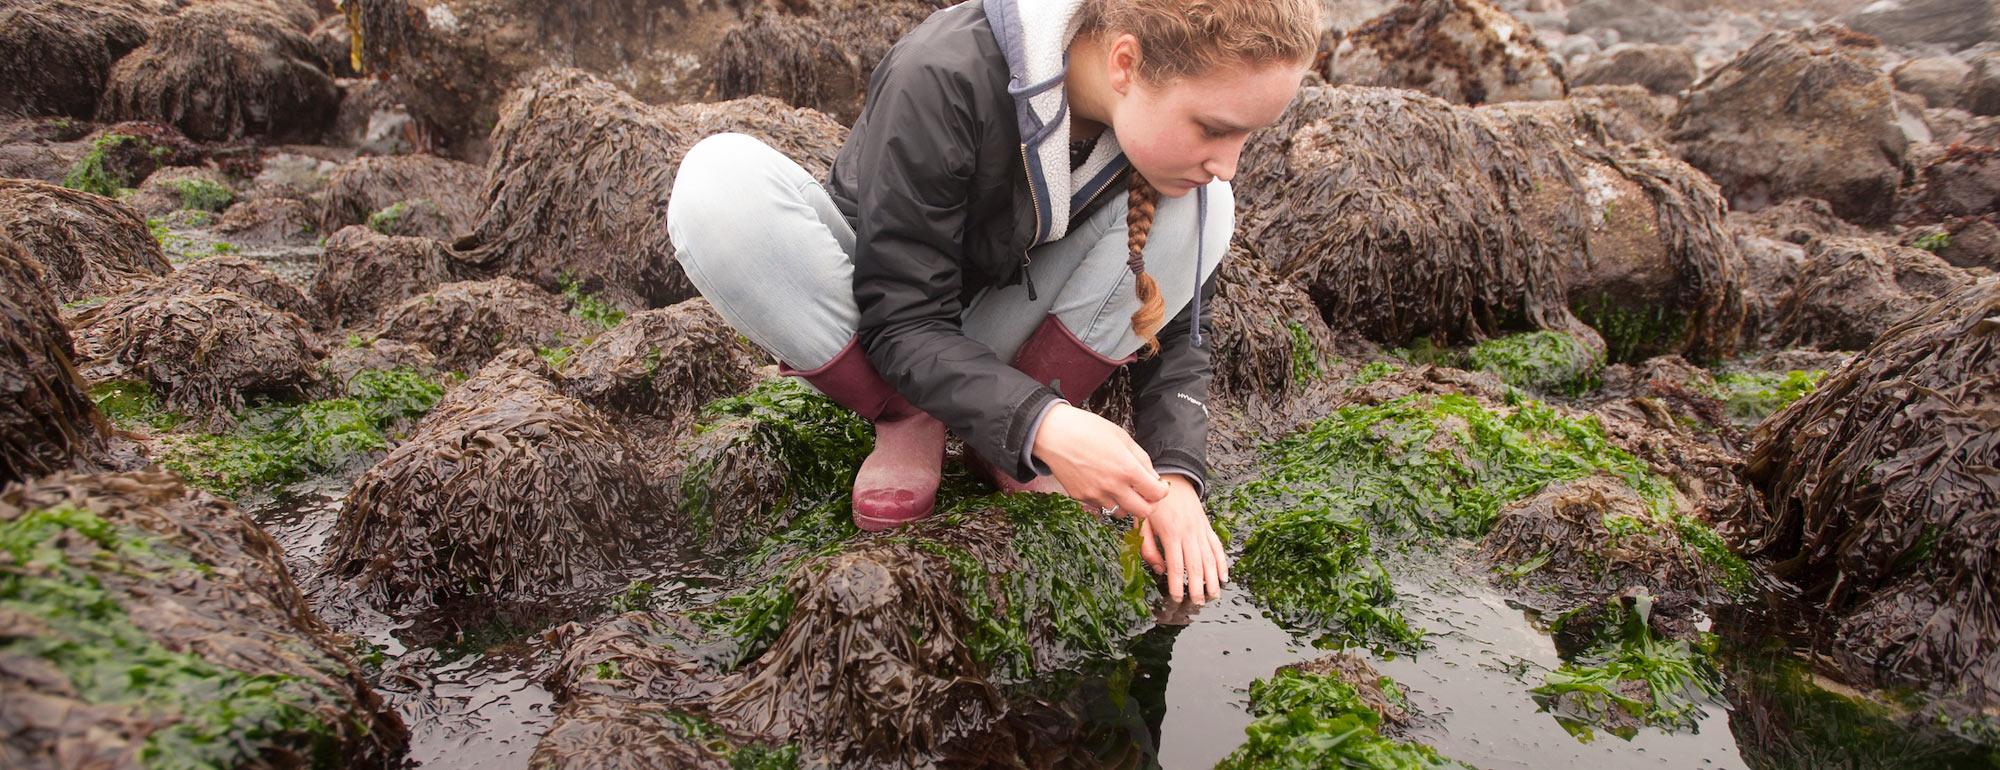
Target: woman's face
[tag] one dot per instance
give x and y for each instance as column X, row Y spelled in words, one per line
column 1183, row 133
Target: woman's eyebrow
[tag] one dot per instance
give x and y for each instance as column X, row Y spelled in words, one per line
column 1220, row 123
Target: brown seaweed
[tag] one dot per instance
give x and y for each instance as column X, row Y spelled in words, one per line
column 89, row 246
column 1461, row 51
column 1851, row 290
column 47, row 419
column 818, row 56
column 207, row 353
column 360, row 190
column 56, row 54
column 662, row 363
column 466, row 323
column 363, row 273
column 578, row 182
column 224, row 70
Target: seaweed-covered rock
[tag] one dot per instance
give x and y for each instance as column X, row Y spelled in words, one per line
column 578, row 182
column 814, row 54
column 1585, row 541
column 1801, row 113
column 48, row 421
column 365, row 187
column 453, row 63
column 1332, row 711
column 664, row 363
column 1462, row 51
column 872, row 649
column 1952, row 23
column 465, row 323
column 1770, row 273
column 181, row 187
column 1881, row 500
column 248, row 278
column 362, row 273
column 1940, row 80
column 124, row 154
column 358, row 355
column 90, row 246
column 508, row 491
column 1661, row 69
column 1961, row 241
column 267, row 222
column 204, row 352
column 1401, row 216
column 223, row 70
column 1852, row 289
column 56, row 54
column 1268, row 341
column 145, row 619
column 1689, row 392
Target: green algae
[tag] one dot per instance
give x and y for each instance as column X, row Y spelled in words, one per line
column 1630, row 675
column 389, row 218
column 754, row 756
column 555, row 357
column 202, row 195
column 1416, row 468
column 1631, row 336
column 1752, row 396
column 91, row 174
column 588, row 306
column 817, row 442
column 1545, row 362
column 1935, row 242
column 278, row 443
column 1305, row 360
column 1311, row 720
column 1374, row 370
column 132, row 405
column 216, row 717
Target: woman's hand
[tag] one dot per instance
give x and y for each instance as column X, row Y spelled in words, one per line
column 1177, row 540
column 1097, row 462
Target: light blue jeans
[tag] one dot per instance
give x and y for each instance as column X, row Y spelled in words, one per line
column 764, row 243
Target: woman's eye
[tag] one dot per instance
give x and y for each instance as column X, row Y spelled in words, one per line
column 1213, row 133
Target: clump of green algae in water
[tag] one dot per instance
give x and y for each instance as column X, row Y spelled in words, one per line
column 1750, row 397
column 1312, row 720
column 1545, row 362
column 1678, row 677
column 278, row 443
column 220, row 717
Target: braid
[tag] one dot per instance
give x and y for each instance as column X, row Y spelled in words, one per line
column 1141, row 202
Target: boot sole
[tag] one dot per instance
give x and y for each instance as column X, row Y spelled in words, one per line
column 873, row 524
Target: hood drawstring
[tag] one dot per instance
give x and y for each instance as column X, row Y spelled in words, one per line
column 1200, row 243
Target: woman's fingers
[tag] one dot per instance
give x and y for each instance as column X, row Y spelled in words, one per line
column 1221, row 555
column 1176, row 569
column 1149, row 547
column 1211, row 568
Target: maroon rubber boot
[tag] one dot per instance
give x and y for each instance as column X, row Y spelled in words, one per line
column 898, row 482
column 1054, row 357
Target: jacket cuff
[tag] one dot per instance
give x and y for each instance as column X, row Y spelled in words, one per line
column 1028, row 446
column 1027, row 420
column 1200, row 484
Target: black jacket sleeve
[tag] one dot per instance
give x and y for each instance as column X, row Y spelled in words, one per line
column 1170, row 394
column 919, row 160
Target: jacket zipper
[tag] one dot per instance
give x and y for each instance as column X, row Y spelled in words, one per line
column 1034, row 202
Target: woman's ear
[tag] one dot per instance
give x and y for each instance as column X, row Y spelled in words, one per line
column 1122, row 64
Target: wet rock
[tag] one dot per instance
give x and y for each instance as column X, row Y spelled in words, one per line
column 663, row 363
column 507, row 492
column 1801, row 113
column 578, row 183
column 453, row 64
column 1352, row 180
column 814, row 54
column 1770, row 273
column 1585, row 541
column 465, row 323
column 368, row 186
column 889, row 649
column 47, row 419
column 1661, row 69
column 1881, row 501
column 206, row 353
column 1963, row 182
column 1798, row 221
column 267, row 222
column 1982, row 85
column 1971, row 242
column 363, row 272
column 1639, row 21
column 248, row 278
column 56, row 54
column 180, row 187
column 1462, row 51
column 1950, row 23
column 88, row 245
column 292, row 175
column 1852, row 289
column 373, row 122
column 225, row 70
column 153, row 618
column 1622, row 114
column 1940, row 80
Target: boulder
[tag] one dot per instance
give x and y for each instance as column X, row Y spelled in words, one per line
column 89, row 246
column 369, row 187
column 147, row 619
column 817, row 55
column 1949, row 23
column 1661, row 69
column 1804, row 113
column 466, row 323
column 225, row 70
column 1940, row 80
column 1851, row 290
column 56, row 54
column 577, row 186
column 664, row 363
column 1462, row 51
